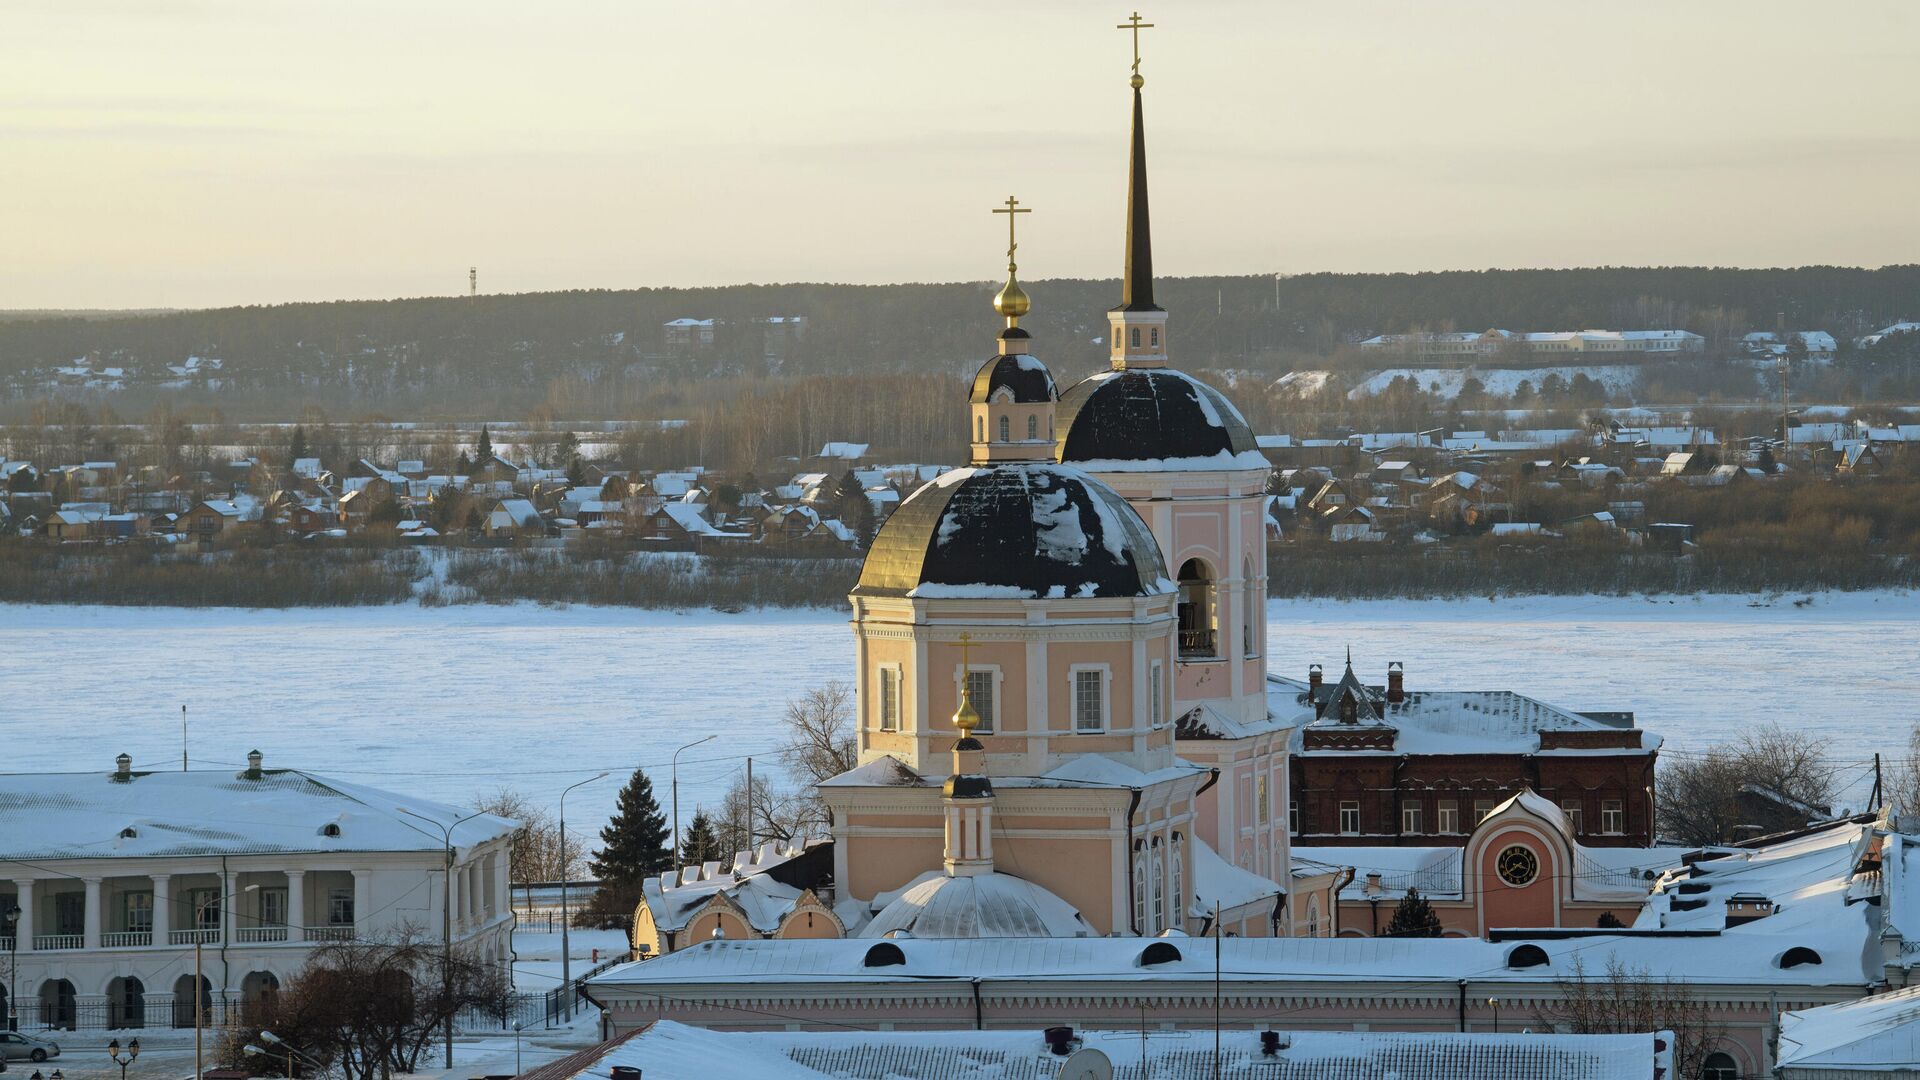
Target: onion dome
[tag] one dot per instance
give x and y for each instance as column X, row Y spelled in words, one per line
column 984, row 905
column 1147, row 419
column 1025, row 530
column 1012, row 300
column 1024, row 378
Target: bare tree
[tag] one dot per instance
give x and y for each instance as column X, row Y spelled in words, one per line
column 535, row 853
column 370, row 1009
column 1903, row 780
column 1630, row 1000
column 820, row 739
column 1705, row 799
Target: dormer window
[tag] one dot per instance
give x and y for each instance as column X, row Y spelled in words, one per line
column 330, row 829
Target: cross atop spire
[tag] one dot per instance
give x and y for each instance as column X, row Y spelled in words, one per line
column 1134, row 24
column 1013, row 207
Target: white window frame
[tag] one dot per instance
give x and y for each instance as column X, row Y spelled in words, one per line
column 1106, row 697
column 1156, row 689
column 1573, row 811
column 1033, row 427
column 1446, row 814
column 341, row 902
column 1140, row 890
column 1349, row 806
column 886, row 722
column 269, row 899
column 1410, row 814
column 1293, row 817
column 1176, row 884
column 989, row 716
column 1613, row 817
column 1483, row 809
column 1006, row 428
column 1157, row 898
column 136, row 910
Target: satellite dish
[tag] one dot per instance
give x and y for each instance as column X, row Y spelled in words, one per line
column 1086, row 1063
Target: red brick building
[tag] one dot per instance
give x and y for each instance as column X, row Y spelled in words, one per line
column 1388, row 766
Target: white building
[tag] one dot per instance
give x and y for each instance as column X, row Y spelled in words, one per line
column 118, row 877
column 1470, row 346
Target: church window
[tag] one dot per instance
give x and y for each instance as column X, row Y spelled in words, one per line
column 1153, row 337
column 1293, row 816
column 1447, row 813
column 1481, row 809
column 1089, row 700
column 1350, row 818
column 1133, row 337
column 1156, row 908
column 889, row 699
column 1410, row 816
column 1250, row 604
column 1033, row 428
column 1613, row 817
column 1176, row 886
column 1155, row 712
column 1005, row 430
column 1140, row 892
column 1313, row 917
column 1262, row 802
column 979, row 429
column 1196, row 611
column 1720, row 1066
column 1571, row 808
column 980, row 687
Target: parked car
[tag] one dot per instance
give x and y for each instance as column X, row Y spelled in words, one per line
column 19, row 1046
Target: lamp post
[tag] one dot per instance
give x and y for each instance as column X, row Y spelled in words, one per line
column 446, row 916
column 200, row 994
column 11, row 917
column 251, row 1050
column 133, row 1051
column 566, row 956
column 676, row 798
column 1494, row 1004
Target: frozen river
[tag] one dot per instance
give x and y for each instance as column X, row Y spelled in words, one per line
column 451, row 702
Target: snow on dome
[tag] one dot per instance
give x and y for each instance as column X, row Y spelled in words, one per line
column 1023, row 377
column 995, row 905
column 1153, row 419
column 1017, row 530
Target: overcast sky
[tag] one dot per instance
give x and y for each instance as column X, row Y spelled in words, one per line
column 248, row 151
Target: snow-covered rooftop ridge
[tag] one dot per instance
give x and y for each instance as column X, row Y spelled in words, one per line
column 1455, row 721
column 1815, row 880
column 668, row 1048
column 1878, row 1034
column 225, row 812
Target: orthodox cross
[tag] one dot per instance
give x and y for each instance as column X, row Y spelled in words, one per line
column 1134, row 24
column 1013, row 207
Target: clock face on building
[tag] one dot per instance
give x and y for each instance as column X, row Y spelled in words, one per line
column 1518, row 865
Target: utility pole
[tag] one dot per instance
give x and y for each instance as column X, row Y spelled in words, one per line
column 183, row 738
column 1218, row 933
column 566, row 960
column 749, row 804
column 1874, row 803
column 473, row 281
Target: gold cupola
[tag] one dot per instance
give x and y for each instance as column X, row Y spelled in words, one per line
column 1013, row 396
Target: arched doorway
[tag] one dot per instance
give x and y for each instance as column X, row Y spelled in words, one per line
column 126, row 1003
column 57, row 1004
column 183, row 1001
column 1720, row 1066
column 1199, row 614
column 256, row 995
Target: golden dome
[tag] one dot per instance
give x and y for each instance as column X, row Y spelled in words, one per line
column 968, row 717
column 1012, row 300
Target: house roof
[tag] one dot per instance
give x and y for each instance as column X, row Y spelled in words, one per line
column 667, row 1048
column 217, row 812
column 1873, row 1034
column 1457, row 721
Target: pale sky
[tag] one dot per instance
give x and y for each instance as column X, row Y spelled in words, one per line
column 157, row 153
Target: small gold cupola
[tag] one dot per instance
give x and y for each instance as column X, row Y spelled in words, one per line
column 967, row 796
column 1013, row 396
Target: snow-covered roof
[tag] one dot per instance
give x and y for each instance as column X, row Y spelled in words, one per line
column 1601, row 873
column 1878, row 1034
column 1458, row 721
column 993, row 905
column 1811, row 879
column 844, row 451
column 674, row 899
column 671, row 1049
column 217, row 812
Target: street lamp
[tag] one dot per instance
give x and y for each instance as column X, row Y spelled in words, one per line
column 566, row 956
column 676, row 798
column 11, row 917
column 199, row 978
column 251, row 1050
column 446, row 916
column 133, row 1051
column 1494, row 1004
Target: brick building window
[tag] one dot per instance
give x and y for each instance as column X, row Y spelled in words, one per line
column 1349, row 818
column 1447, row 813
column 1410, row 816
column 1293, row 817
column 1613, row 817
column 1571, row 808
column 1481, row 808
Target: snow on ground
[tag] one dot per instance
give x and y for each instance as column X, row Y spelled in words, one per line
column 456, row 702
column 1501, row 382
column 536, row 955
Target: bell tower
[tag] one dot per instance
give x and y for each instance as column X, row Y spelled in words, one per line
column 1138, row 327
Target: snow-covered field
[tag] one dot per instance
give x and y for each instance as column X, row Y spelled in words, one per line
column 455, row 702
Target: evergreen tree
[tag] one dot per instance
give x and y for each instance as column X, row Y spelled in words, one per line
column 297, row 449
column 856, row 510
column 635, row 842
column 1608, row 922
column 1414, row 917
column 566, row 450
column 700, row 843
column 483, row 450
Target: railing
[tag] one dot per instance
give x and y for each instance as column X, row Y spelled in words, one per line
column 1196, row 643
column 329, row 933
column 6, row 943
column 193, row 937
column 154, row 1011
column 58, row 941
column 255, row 934
column 127, row 939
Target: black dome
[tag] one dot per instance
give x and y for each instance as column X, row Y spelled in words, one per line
column 1022, row 530
column 1150, row 415
column 1023, row 376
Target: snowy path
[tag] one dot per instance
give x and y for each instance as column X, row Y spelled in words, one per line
column 452, row 702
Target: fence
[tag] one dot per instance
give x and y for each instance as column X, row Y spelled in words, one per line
column 555, row 1008
column 136, row 1014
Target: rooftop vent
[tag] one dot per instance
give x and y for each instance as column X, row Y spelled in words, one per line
column 624, row 1072
column 1060, row 1040
column 129, row 833
column 253, row 765
column 1159, row 952
column 1272, row 1042
column 330, row 829
column 1527, row 956
column 1797, row 956
column 884, row 954
column 123, row 768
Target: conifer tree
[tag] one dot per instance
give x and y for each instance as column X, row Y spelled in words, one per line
column 856, row 510
column 1608, row 921
column 1414, row 917
column 297, row 448
column 483, row 450
column 700, row 843
column 635, row 842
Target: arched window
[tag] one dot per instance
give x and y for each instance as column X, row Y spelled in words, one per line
column 979, row 429
column 1133, row 337
column 1156, row 907
column 1153, row 337
column 1005, row 430
column 1313, row 916
column 1249, row 606
column 1197, row 614
column 58, row 1006
column 1176, row 886
column 1720, row 1066
column 1033, row 428
column 1140, row 893
column 126, row 1003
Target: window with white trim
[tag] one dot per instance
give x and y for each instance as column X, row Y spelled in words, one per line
column 1410, row 816
column 1350, row 817
column 1006, row 429
column 1262, row 800
column 1089, row 700
column 1153, row 336
column 1572, row 809
column 1481, row 809
column 1140, row 892
column 1156, row 906
column 1033, row 428
column 889, row 698
column 981, row 683
column 1176, row 886
column 1446, row 813
column 1613, row 817
column 340, row 907
column 1293, row 817
column 1133, row 338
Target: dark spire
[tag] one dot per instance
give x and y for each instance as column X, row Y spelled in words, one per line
column 1136, row 292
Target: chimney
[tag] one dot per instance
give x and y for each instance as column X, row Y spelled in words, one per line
column 123, row 768
column 1271, row 1043
column 1314, row 677
column 1396, row 683
column 253, row 764
column 1060, row 1040
column 1373, row 883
